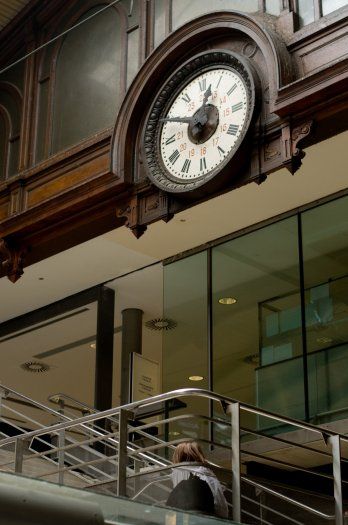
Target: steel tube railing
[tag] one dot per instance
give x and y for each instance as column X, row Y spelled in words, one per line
column 236, row 408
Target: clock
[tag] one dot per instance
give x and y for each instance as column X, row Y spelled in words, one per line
column 198, row 121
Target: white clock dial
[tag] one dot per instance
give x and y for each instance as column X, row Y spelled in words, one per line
column 228, row 102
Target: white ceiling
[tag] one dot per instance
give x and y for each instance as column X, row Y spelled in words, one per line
column 119, row 252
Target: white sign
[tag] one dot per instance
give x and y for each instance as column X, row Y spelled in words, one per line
column 145, row 377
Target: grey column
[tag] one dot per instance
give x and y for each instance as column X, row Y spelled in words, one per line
column 132, row 319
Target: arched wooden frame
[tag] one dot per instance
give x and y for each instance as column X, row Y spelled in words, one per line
column 172, row 51
column 10, row 124
column 4, row 115
column 52, row 55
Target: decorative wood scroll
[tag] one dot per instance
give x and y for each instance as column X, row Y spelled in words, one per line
column 11, row 261
column 144, row 209
column 292, row 152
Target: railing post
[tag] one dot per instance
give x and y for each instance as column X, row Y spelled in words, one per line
column 335, row 443
column 235, row 449
column 61, row 455
column 20, row 446
column 121, row 484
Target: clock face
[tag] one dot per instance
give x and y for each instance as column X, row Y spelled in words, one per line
column 198, row 121
column 186, row 157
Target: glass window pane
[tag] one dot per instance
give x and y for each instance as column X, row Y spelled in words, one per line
column 185, row 347
column 331, row 5
column 15, row 75
column 13, row 157
column 132, row 55
column 325, row 254
column 159, row 22
column 87, row 80
column 305, row 9
column 182, row 11
column 257, row 340
column 3, row 144
column 42, row 120
column 273, row 7
column 60, row 344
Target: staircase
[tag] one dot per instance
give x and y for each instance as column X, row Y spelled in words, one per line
column 285, row 471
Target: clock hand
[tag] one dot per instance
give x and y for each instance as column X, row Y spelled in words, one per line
column 186, row 120
column 207, row 94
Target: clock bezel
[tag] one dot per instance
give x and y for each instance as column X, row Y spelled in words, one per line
column 164, row 99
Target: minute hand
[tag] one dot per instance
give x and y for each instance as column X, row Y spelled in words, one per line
column 185, row 120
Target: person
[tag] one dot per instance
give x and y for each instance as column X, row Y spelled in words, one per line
column 189, row 493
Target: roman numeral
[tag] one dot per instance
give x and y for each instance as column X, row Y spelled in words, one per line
column 217, row 85
column 221, row 151
column 203, row 84
column 186, row 166
column 230, row 91
column 232, row 129
column 170, row 140
column 237, row 107
column 174, row 156
column 186, row 98
column 202, row 164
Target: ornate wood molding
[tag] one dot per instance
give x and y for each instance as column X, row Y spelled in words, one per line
column 143, row 209
column 11, row 260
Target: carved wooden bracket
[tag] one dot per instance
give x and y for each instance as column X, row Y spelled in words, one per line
column 131, row 212
column 292, row 152
column 142, row 210
column 11, row 261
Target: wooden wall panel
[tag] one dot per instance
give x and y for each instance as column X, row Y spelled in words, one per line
column 4, row 208
column 322, row 52
column 39, row 192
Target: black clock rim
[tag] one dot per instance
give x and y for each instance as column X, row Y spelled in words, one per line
column 169, row 90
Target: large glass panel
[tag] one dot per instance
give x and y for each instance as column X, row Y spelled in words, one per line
column 257, row 341
column 182, row 11
column 185, row 345
column 331, row 5
column 46, row 357
column 325, row 254
column 305, row 9
column 87, row 91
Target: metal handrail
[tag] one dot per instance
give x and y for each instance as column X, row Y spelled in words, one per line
column 128, row 411
column 82, row 407
column 68, row 424
column 185, row 392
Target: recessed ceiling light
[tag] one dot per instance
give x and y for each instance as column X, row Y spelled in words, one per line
column 324, row 340
column 227, row 300
column 93, row 345
column 196, row 378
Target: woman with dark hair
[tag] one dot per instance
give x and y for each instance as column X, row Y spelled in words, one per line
column 195, row 486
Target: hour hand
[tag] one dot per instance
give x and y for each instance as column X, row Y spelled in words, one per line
column 185, row 120
column 207, row 95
